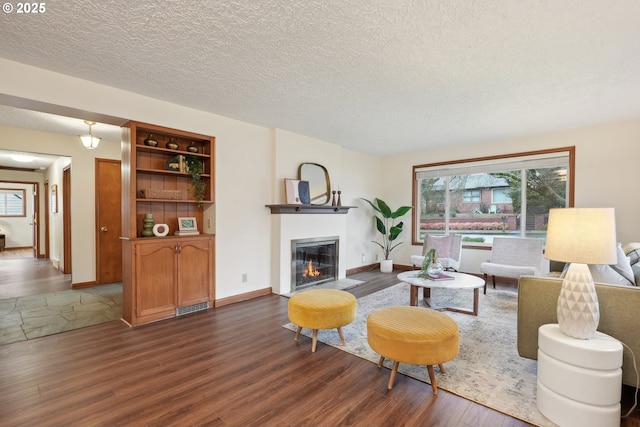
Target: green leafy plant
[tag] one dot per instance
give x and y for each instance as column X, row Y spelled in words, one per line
column 195, row 167
column 385, row 223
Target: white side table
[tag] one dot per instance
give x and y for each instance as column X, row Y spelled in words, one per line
column 579, row 381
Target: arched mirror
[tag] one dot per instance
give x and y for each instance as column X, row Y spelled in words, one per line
column 319, row 184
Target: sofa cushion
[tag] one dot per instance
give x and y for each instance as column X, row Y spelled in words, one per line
column 620, row 273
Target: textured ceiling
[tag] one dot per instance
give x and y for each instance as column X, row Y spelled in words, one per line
column 376, row 76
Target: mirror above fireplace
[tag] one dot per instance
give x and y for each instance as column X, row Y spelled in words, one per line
column 319, row 183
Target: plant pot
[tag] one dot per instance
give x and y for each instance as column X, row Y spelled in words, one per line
column 386, row 266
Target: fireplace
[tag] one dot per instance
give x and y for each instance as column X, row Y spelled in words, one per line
column 314, row 261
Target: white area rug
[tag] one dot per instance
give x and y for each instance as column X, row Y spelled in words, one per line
column 487, row 370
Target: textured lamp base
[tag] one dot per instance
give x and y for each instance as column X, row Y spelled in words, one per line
column 578, row 310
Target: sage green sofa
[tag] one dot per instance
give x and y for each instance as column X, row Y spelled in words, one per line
column 619, row 313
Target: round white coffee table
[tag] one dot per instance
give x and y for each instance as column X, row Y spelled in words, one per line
column 459, row 281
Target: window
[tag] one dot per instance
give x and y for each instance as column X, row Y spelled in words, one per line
column 500, row 195
column 471, row 196
column 12, row 202
column 507, row 195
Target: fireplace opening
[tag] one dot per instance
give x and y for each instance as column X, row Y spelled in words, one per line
column 313, row 261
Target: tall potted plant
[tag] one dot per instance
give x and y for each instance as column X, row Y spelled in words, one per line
column 386, row 225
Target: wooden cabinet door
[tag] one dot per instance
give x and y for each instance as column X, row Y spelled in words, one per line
column 195, row 269
column 156, row 274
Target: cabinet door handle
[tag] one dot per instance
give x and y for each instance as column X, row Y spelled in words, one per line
column 176, row 248
column 103, row 229
column 179, row 248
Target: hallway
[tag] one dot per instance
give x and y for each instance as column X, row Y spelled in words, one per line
column 37, row 300
column 22, row 275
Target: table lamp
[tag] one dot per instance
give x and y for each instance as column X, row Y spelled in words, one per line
column 580, row 236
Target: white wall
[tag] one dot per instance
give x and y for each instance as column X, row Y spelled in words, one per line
column 605, row 172
column 56, row 219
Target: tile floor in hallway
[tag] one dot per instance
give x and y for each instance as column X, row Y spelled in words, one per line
column 29, row 317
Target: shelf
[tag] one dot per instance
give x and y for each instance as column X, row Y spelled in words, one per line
column 308, row 209
column 169, row 172
column 192, row 201
column 142, row 147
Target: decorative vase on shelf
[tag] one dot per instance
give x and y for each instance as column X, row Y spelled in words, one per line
column 172, row 144
column 193, row 148
column 147, row 225
column 151, row 141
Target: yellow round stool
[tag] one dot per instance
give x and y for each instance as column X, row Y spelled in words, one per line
column 321, row 309
column 415, row 335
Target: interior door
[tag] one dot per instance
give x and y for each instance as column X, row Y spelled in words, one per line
column 66, row 219
column 36, row 222
column 109, row 213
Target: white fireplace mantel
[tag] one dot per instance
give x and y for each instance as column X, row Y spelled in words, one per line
column 309, row 209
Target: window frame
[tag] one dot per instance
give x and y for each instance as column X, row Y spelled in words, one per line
column 497, row 159
column 473, row 193
column 4, row 192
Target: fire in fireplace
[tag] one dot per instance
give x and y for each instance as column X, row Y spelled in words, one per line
column 313, row 261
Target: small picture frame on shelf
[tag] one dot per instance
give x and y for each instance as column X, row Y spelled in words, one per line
column 187, row 226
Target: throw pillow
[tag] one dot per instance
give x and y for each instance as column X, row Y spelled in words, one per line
column 632, row 250
column 623, row 266
column 617, row 274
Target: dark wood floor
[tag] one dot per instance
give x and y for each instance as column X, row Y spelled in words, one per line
column 229, row 366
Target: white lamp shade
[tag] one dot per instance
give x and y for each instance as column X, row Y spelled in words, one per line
column 90, row 141
column 582, row 235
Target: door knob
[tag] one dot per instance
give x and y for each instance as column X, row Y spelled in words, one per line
column 103, row 229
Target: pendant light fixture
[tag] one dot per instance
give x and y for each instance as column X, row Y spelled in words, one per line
column 89, row 141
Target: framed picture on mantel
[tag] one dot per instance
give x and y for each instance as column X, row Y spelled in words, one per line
column 297, row 192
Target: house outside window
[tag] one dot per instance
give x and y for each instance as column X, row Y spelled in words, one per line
column 12, row 202
column 487, row 197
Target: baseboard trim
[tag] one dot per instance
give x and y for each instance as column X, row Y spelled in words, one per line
column 362, row 268
column 243, row 297
column 377, row 266
column 83, row 285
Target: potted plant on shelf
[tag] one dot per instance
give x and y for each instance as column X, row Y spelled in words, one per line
column 385, row 223
column 195, row 167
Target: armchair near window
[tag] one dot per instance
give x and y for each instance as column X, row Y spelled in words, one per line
column 448, row 249
column 513, row 257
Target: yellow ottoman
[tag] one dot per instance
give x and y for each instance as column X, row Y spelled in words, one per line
column 415, row 335
column 321, row 309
